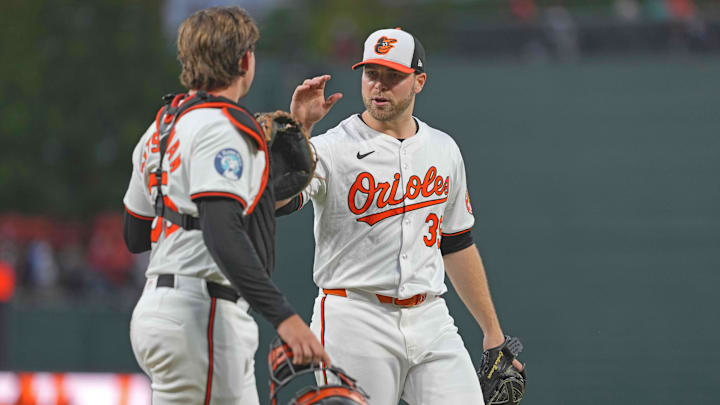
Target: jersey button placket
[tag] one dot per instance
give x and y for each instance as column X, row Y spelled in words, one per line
column 404, row 224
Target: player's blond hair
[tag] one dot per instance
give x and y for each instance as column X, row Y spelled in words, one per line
column 211, row 44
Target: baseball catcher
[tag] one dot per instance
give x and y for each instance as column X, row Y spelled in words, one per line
column 502, row 384
column 291, row 156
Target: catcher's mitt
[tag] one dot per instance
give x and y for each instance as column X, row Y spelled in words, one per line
column 502, row 383
column 292, row 158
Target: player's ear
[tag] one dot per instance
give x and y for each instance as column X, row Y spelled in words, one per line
column 420, row 79
column 247, row 62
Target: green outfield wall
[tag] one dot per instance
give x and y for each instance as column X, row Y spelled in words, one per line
column 597, row 202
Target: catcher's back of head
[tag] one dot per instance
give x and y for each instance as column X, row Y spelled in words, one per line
column 211, row 45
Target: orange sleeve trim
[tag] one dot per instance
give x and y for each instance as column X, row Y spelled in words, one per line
column 254, row 134
column 263, row 146
column 219, row 194
column 455, row 233
column 302, row 200
column 257, row 124
column 138, row 216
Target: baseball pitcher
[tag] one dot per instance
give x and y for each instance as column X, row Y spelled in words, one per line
column 392, row 217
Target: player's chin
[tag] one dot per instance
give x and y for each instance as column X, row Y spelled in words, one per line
column 381, row 114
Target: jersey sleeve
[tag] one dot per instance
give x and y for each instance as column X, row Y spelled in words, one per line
column 458, row 217
column 317, row 189
column 227, row 163
column 137, row 200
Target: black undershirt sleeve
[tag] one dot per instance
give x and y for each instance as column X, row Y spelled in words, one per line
column 290, row 207
column 136, row 232
column 225, row 234
column 455, row 243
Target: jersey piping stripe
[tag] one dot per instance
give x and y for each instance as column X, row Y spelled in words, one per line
column 138, row 216
column 219, row 194
column 455, row 233
column 301, row 202
column 263, row 147
column 322, row 331
column 208, row 387
column 377, row 217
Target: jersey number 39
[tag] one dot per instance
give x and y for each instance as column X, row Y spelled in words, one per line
column 434, row 230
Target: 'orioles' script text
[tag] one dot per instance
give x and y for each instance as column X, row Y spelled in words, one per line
column 385, row 193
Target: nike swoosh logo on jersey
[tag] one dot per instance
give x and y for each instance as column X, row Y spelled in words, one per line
column 359, row 156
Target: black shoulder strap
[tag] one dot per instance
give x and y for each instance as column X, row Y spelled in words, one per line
column 245, row 123
column 175, row 107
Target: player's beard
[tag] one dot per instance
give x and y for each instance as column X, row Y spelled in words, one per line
column 392, row 110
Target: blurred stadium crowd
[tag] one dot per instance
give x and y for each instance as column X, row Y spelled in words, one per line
column 70, row 259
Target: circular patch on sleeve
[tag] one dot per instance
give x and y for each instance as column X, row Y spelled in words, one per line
column 467, row 202
column 229, row 163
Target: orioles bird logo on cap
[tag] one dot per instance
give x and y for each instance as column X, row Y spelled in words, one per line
column 384, row 45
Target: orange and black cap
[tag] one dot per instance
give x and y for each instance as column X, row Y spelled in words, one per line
column 394, row 48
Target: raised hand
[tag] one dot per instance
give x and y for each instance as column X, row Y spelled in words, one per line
column 309, row 105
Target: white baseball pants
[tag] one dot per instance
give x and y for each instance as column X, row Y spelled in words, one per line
column 413, row 353
column 195, row 349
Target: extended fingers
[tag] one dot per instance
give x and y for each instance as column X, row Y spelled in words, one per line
column 301, row 89
column 318, row 82
column 332, row 100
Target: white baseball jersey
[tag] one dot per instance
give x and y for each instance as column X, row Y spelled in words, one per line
column 382, row 206
column 206, row 156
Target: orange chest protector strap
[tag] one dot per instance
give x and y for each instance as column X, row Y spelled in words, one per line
column 176, row 106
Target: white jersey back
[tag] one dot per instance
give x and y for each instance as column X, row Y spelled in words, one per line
column 382, row 206
column 206, row 156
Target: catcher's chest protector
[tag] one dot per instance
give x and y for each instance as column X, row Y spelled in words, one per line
column 261, row 225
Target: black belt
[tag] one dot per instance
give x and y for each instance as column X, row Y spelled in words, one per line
column 214, row 289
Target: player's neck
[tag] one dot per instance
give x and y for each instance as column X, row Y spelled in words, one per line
column 234, row 92
column 402, row 127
